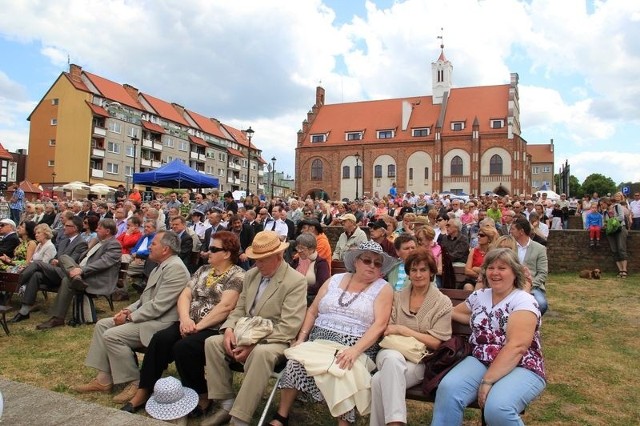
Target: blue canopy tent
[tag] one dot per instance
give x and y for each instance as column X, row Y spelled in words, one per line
column 175, row 174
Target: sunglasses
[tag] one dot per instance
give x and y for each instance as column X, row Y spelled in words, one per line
column 367, row 261
column 213, row 249
column 439, row 220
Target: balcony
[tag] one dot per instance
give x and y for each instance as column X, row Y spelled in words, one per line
column 496, row 178
column 202, row 157
column 261, row 187
column 260, row 172
column 97, row 153
column 145, row 163
column 147, row 143
column 230, row 179
column 237, row 181
column 99, row 131
column 156, row 164
column 96, row 173
column 193, row 155
column 234, row 166
column 157, row 146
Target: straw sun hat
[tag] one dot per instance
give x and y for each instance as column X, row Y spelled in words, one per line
column 265, row 244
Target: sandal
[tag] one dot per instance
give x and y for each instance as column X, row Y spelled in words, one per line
column 284, row 421
column 623, row 274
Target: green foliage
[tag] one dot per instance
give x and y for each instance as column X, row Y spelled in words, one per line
column 601, row 184
column 575, row 189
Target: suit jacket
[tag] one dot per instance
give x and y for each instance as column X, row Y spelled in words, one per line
column 186, row 248
column 9, row 244
column 103, row 267
column 157, row 306
column 74, row 249
column 536, row 260
column 206, row 243
column 284, row 301
column 48, row 218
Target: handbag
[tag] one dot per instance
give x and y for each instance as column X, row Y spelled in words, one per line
column 447, row 356
column 250, row 330
column 411, row 348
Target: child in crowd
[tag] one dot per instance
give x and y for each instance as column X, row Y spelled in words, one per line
column 494, row 212
column 594, row 225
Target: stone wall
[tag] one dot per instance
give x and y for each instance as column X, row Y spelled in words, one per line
column 568, row 251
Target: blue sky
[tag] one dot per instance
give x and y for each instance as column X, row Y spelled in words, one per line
column 255, row 62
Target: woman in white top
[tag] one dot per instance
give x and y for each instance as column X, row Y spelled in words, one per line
column 351, row 309
column 45, row 250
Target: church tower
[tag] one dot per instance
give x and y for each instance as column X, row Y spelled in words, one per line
column 441, row 72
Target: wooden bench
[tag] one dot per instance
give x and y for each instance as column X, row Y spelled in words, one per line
column 337, row 267
column 8, row 285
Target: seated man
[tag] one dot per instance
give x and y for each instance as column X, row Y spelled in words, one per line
column 179, row 227
column 534, row 256
column 134, row 326
column 140, row 252
column 10, row 239
column 97, row 272
column 272, row 290
column 351, row 238
column 50, row 274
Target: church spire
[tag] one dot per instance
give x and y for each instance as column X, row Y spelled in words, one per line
column 441, row 72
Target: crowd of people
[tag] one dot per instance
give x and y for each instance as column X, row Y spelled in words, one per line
column 202, row 266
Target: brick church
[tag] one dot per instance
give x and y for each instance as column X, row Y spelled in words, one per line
column 459, row 139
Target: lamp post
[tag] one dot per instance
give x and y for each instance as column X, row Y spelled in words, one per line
column 134, row 141
column 273, row 176
column 357, row 174
column 249, row 132
column 53, row 182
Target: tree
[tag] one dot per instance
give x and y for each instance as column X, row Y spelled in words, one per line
column 601, row 184
column 575, row 189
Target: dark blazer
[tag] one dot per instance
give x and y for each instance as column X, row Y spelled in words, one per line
column 186, row 248
column 9, row 244
column 206, row 243
column 48, row 218
column 291, row 235
column 256, row 226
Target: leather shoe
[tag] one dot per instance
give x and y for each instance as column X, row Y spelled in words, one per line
column 129, row 408
column 127, row 394
column 220, row 417
column 78, row 284
column 20, row 317
column 93, row 386
column 53, row 322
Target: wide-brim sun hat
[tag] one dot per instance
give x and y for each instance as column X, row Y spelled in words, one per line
column 265, row 244
column 312, row 222
column 171, row 400
column 350, row 257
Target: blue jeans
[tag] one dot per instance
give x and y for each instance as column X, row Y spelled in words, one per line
column 15, row 215
column 541, row 297
column 506, row 400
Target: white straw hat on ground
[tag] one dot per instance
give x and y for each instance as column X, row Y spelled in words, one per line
column 171, row 400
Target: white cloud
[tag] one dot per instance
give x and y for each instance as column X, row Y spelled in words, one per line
column 620, row 166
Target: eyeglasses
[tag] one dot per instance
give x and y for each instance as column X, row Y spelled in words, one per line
column 367, row 261
column 300, row 248
column 214, row 249
column 439, row 219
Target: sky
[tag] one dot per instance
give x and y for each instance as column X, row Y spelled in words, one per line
column 257, row 62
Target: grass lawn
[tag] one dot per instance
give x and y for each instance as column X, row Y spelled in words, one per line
column 591, row 343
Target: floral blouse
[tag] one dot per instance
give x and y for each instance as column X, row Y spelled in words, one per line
column 206, row 292
column 489, row 327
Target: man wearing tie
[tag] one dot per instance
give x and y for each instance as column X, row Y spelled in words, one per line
column 214, row 226
column 272, row 290
column 38, row 273
column 134, row 326
column 97, row 272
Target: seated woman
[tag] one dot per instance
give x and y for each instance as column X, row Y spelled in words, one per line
column 45, row 250
column 89, row 226
column 486, row 236
column 351, row 309
column 419, row 311
column 308, row 263
column 24, row 251
column 505, row 370
column 425, row 237
column 130, row 237
column 203, row 305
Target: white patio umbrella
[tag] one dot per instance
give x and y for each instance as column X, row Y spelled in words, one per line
column 101, row 189
column 75, row 186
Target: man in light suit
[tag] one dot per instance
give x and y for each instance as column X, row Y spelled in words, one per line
column 272, row 290
column 534, row 256
column 38, row 273
column 96, row 273
column 114, row 338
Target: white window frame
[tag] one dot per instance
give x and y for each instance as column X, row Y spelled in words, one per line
column 416, row 132
column 222, row 156
column 114, row 127
column 129, row 150
column 318, row 138
column 51, row 163
column 353, row 136
column 113, row 147
column 132, row 132
column 54, row 121
column 546, row 169
column 500, row 124
column 535, row 170
column 128, row 171
column 112, row 168
column 55, row 101
column 456, row 123
column 384, row 132
column 168, row 142
column 183, row 146
column 52, row 142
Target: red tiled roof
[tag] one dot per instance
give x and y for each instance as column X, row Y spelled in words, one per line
column 208, row 125
column 4, row 154
column 27, row 186
column 540, row 153
column 77, row 84
column 464, row 104
column 198, row 141
column 113, row 91
column 235, row 152
column 165, row 109
column 98, row 110
column 261, row 160
column 152, row 127
column 239, row 136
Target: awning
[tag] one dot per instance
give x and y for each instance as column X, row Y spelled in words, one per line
column 98, row 110
column 235, row 152
column 152, row 127
column 198, row 141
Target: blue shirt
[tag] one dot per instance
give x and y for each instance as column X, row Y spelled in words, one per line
column 18, row 204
